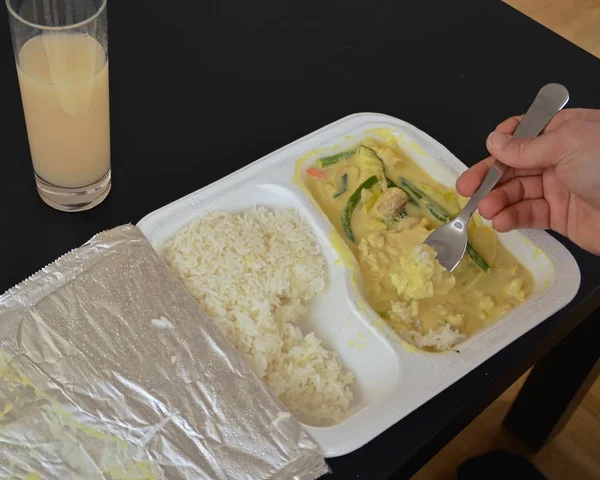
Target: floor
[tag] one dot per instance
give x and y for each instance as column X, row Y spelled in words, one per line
column 575, row 453
column 576, row 20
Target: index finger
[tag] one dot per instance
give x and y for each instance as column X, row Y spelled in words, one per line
column 470, row 180
column 509, row 125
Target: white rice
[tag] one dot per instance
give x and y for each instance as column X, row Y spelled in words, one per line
column 443, row 338
column 254, row 273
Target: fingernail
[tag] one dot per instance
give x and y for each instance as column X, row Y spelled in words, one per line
column 497, row 141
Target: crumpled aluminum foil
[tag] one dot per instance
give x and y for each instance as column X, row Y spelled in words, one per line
column 109, row 369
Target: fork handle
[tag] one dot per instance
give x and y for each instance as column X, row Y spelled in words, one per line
column 548, row 102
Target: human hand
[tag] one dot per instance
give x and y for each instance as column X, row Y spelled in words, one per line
column 553, row 180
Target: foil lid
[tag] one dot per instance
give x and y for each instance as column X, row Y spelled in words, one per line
column 109, row 369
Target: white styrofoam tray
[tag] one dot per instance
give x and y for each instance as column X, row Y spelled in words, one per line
column 391, row 380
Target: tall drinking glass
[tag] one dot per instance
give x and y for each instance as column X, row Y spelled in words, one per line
column 61, row 52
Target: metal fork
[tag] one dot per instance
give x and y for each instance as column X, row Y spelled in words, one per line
column 450, row 239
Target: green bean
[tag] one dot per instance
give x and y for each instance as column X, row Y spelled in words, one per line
column 333, row 159
column 440, row 214
column 346, row 216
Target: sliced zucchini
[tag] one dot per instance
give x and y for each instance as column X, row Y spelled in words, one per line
column 369, row 197
column 351, row 204
column 333, row 159
column 369, row 157
column 343, row 187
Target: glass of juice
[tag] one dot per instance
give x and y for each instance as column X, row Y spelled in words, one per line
column 61, row 52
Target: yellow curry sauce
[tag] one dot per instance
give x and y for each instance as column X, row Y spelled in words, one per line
column 384, row 206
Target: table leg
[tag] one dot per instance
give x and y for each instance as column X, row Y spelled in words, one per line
column 556, row 385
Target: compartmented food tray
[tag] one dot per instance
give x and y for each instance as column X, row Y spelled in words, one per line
column 391, row 380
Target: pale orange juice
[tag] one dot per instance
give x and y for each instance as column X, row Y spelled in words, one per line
column 64, row 87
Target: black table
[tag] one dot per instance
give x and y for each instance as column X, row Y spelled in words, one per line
column 199, row 89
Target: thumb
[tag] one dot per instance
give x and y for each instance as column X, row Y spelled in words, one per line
column 538, row 152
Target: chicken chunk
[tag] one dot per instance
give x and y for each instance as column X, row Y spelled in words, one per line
column 391, row 203
column 486, row 303
column 516, row 288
